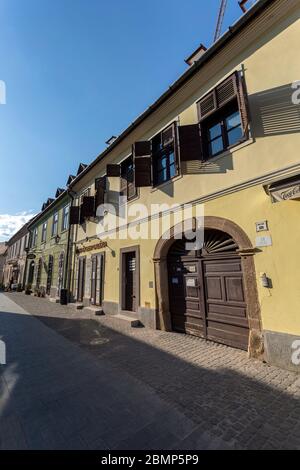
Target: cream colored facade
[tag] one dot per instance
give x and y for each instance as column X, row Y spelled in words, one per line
column 231, row 186
column 15, row 261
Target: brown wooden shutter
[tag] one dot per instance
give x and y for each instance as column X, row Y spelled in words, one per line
column 113, row 170
column 87, row 207
column 131, row 188
column 226, row 91
column 168, row 135
column 207, row 105
column 142, row 171
column 142, row 149
column 74, row 215
column 190, row 143
column 142, row 164
column 100, row 186
column 243, row 103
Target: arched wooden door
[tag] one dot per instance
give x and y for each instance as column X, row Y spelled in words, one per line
column 206, row 290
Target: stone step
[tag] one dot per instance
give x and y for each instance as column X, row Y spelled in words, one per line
column 127, row 321
column 93, row 310
column 54, row 300
column 78, row 306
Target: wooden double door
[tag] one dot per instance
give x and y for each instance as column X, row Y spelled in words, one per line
column 97, row 279
column 207, row 298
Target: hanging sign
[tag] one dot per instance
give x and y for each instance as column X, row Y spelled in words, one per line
column 292, row 192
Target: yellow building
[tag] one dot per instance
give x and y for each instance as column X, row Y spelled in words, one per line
column 224, row 139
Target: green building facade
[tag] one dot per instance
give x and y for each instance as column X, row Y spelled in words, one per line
column 49, row 247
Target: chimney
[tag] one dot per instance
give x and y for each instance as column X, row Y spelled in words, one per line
column 111, row 140
column 195, row 56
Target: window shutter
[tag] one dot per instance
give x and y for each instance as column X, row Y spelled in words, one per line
column 100, row 186
column 87, row 207
column 142, row 170
column 123, row 186
column 74, row 215
column 207, row 105
column 190, row 143
column 142, row 149
column 142, row 164
column 113, row 170
column 168, row 135
column 243, row 103
column 226, row 91
column 131, row 189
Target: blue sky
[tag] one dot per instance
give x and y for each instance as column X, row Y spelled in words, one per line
column 78, row 71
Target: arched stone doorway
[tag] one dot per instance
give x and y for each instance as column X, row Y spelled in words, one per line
column 31, row 273
column 244, row 250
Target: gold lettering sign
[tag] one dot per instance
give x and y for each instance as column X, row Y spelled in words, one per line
column 85, row 249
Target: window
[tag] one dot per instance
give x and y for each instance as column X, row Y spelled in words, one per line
column 44, row 232
column 86, row 192
column 54, row 224
column 65, row 218
column 127, row 188
column 163, row 156
column 223, row 130
column 34, row 237
column 223, row 115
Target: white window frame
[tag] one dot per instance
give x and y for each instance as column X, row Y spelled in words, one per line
column 65, row 217
column 54, row 229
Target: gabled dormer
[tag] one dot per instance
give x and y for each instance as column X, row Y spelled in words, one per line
column 81, row 168
column 59, row 191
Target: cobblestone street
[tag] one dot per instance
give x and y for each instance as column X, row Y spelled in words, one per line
column 88, row 383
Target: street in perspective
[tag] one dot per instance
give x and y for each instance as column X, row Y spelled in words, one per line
column 149, row 230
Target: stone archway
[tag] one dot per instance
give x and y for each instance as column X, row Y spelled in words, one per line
column 246, row 251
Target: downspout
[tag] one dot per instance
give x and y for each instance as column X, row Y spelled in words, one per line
column 67, row 277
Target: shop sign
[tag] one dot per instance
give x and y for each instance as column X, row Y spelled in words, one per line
column 86, row 249
column 293, row 192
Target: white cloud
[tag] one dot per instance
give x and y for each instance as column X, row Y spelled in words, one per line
column 10, row 224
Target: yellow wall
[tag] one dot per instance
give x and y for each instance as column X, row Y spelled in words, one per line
column 270, row 61
column 280, row 304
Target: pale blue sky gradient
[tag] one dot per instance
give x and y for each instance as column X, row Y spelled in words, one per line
column 78, row 71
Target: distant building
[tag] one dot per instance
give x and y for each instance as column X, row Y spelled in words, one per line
column 3, row 250
column 48, row 247
column 15, row 263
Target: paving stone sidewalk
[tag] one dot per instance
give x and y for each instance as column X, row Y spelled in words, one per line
column 89, row 383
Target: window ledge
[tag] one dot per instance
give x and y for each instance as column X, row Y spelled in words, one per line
column 231, row 150
column 163, row 185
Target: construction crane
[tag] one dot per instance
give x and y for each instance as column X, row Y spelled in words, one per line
column 222, row 9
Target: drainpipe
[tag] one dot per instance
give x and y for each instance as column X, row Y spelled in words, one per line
column 67, row 278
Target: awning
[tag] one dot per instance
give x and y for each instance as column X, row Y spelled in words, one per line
column 284, row 190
